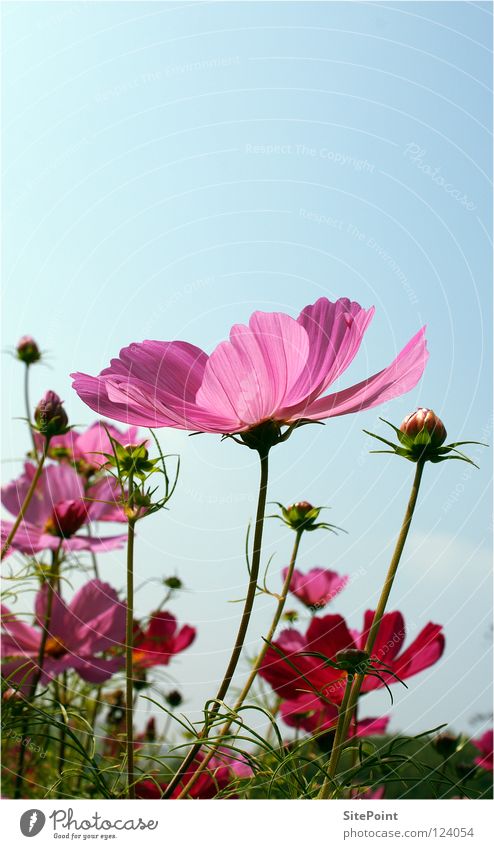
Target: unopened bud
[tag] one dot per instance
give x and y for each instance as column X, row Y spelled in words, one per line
column 424, row 422
column 27, row 350
column 50, row 416
column 173, row 583
column 174, row 698
column 352, row 660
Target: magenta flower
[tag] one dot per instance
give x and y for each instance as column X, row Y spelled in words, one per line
column 328, row 635
column 275, row 370
column 60, row 507
column 87, row 449
column 484, row 745
column 79, row 634
column 161, row 640
column 318, row 587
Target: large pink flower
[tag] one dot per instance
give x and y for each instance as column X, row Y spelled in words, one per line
column 86, row 449
column 93, row 623
column 318, row 587
column 327, row 635
column 276, row 369
column 61, row 506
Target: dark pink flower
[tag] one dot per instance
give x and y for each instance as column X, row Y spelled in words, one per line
column 161, row 640
column 221, row 770
column 484, row 745
column 61, row 505
column 318, row 587
column 79, row 634
column 87, row 448
column 276, row 369
column 328, row 635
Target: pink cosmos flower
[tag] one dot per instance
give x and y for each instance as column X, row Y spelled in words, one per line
column 60, row 506
column 80, row 632
column 221, row 770
column 484, row 745
column 318, row 587
column 161, row 640
column 86, row 449
column 329, row 635
column 276, row 369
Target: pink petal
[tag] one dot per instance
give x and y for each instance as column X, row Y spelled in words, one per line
column 425, row 650
column 372, row 725
column 335, row 332
column 96, row 670
column 184, row 638
column 102, row 501
column 390, row 637
column 328, row 635
column 399, row 377
column 95, row 619
column 96, row 544
column 249, row 378
column 137, row 387
column 17, row 636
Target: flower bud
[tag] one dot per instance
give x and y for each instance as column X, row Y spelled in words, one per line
column 50, row 416
column 352, row 660
column 290, row 616
column 174, row 698
column 173, row 583
column 301, row 515
column 27, row 350
column 446, row 744
column 150, row 730
column 424, row 422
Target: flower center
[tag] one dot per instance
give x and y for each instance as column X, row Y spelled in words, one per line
column 55, row 647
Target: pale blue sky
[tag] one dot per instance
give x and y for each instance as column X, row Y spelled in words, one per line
column 171, row 167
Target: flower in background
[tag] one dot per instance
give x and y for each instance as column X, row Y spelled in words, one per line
column 272, row 372
column 59, row 508
column 328, row 635
column 318, row 587
column 484, row 745
column 86, row 449
column 93, row 623
column 161, row 640
column 221, row 771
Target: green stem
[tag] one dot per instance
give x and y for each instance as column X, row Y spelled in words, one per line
column 339, row 737
column 27, row 500
column 129, row 645
column 28, row 410
column 242, row 631
column 344, row 722
column 255, row 669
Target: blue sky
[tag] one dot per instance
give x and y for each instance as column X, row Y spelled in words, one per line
column 170, row 168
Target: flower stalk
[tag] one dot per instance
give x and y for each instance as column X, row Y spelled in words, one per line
column 344, row 717
column 129, row 640
column 244, row 624
column 25, row 504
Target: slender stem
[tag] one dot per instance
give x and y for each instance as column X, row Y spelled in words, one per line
column 63, row 700
column 39, row 669
column 94, row 559
column 27, row 500
column 255, row 668
column 344, row 721
column 28, row 409
column 339, row 734
column 242, row 631
column 129, row 644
